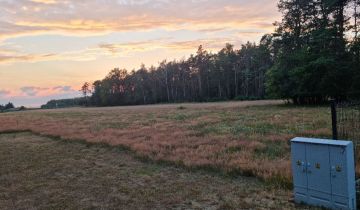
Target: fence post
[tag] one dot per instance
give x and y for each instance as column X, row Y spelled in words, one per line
column 334, row 120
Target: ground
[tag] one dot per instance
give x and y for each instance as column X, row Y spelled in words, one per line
column 39, row 172
column 182, row 156
column 239, row 138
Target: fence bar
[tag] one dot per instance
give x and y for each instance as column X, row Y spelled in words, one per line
column 334, row 120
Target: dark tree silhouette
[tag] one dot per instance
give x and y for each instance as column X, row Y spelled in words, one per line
column 9, row 106
column 229, row 74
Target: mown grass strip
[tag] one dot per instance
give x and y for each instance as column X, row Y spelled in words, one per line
column 273, row 182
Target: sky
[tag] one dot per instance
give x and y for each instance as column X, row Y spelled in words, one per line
column 49, row 48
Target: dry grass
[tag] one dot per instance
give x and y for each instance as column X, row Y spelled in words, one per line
column 41, row 173
column 250, row 138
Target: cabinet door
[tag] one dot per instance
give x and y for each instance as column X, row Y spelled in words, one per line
column 298, row 160
column 318, row 173
column 339, row 176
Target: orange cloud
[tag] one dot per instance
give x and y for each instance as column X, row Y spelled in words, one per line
column 132, row 24
column 44, row 1
column 11, row 56
column 28, row 58
column 130, row 47
column 71, row 25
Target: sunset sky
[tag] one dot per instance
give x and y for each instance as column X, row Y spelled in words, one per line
column 48, row 48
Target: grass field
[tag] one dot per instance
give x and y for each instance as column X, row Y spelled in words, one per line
column 238, row 138
column 45, row 173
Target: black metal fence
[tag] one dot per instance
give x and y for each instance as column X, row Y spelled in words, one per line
column 346, row 120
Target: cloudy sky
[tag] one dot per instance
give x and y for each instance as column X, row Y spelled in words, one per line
column 48, row 48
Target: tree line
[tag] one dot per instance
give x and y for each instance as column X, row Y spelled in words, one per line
column 228, row 74
column 64, row 103
column 312, row 56
column 9, row 107
column 6, row 106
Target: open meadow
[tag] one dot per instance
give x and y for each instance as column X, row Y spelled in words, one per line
column 234, row 138
column 44, row 173
column 227, row 155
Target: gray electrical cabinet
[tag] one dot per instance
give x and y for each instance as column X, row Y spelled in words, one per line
column 323, row 173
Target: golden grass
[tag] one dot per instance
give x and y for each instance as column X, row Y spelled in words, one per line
column 250, row 138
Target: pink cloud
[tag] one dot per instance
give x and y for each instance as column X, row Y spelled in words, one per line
column 4, row 93
column 31, row 91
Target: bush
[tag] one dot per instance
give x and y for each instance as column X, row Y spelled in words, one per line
column 9, row 106
column 216, row 99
